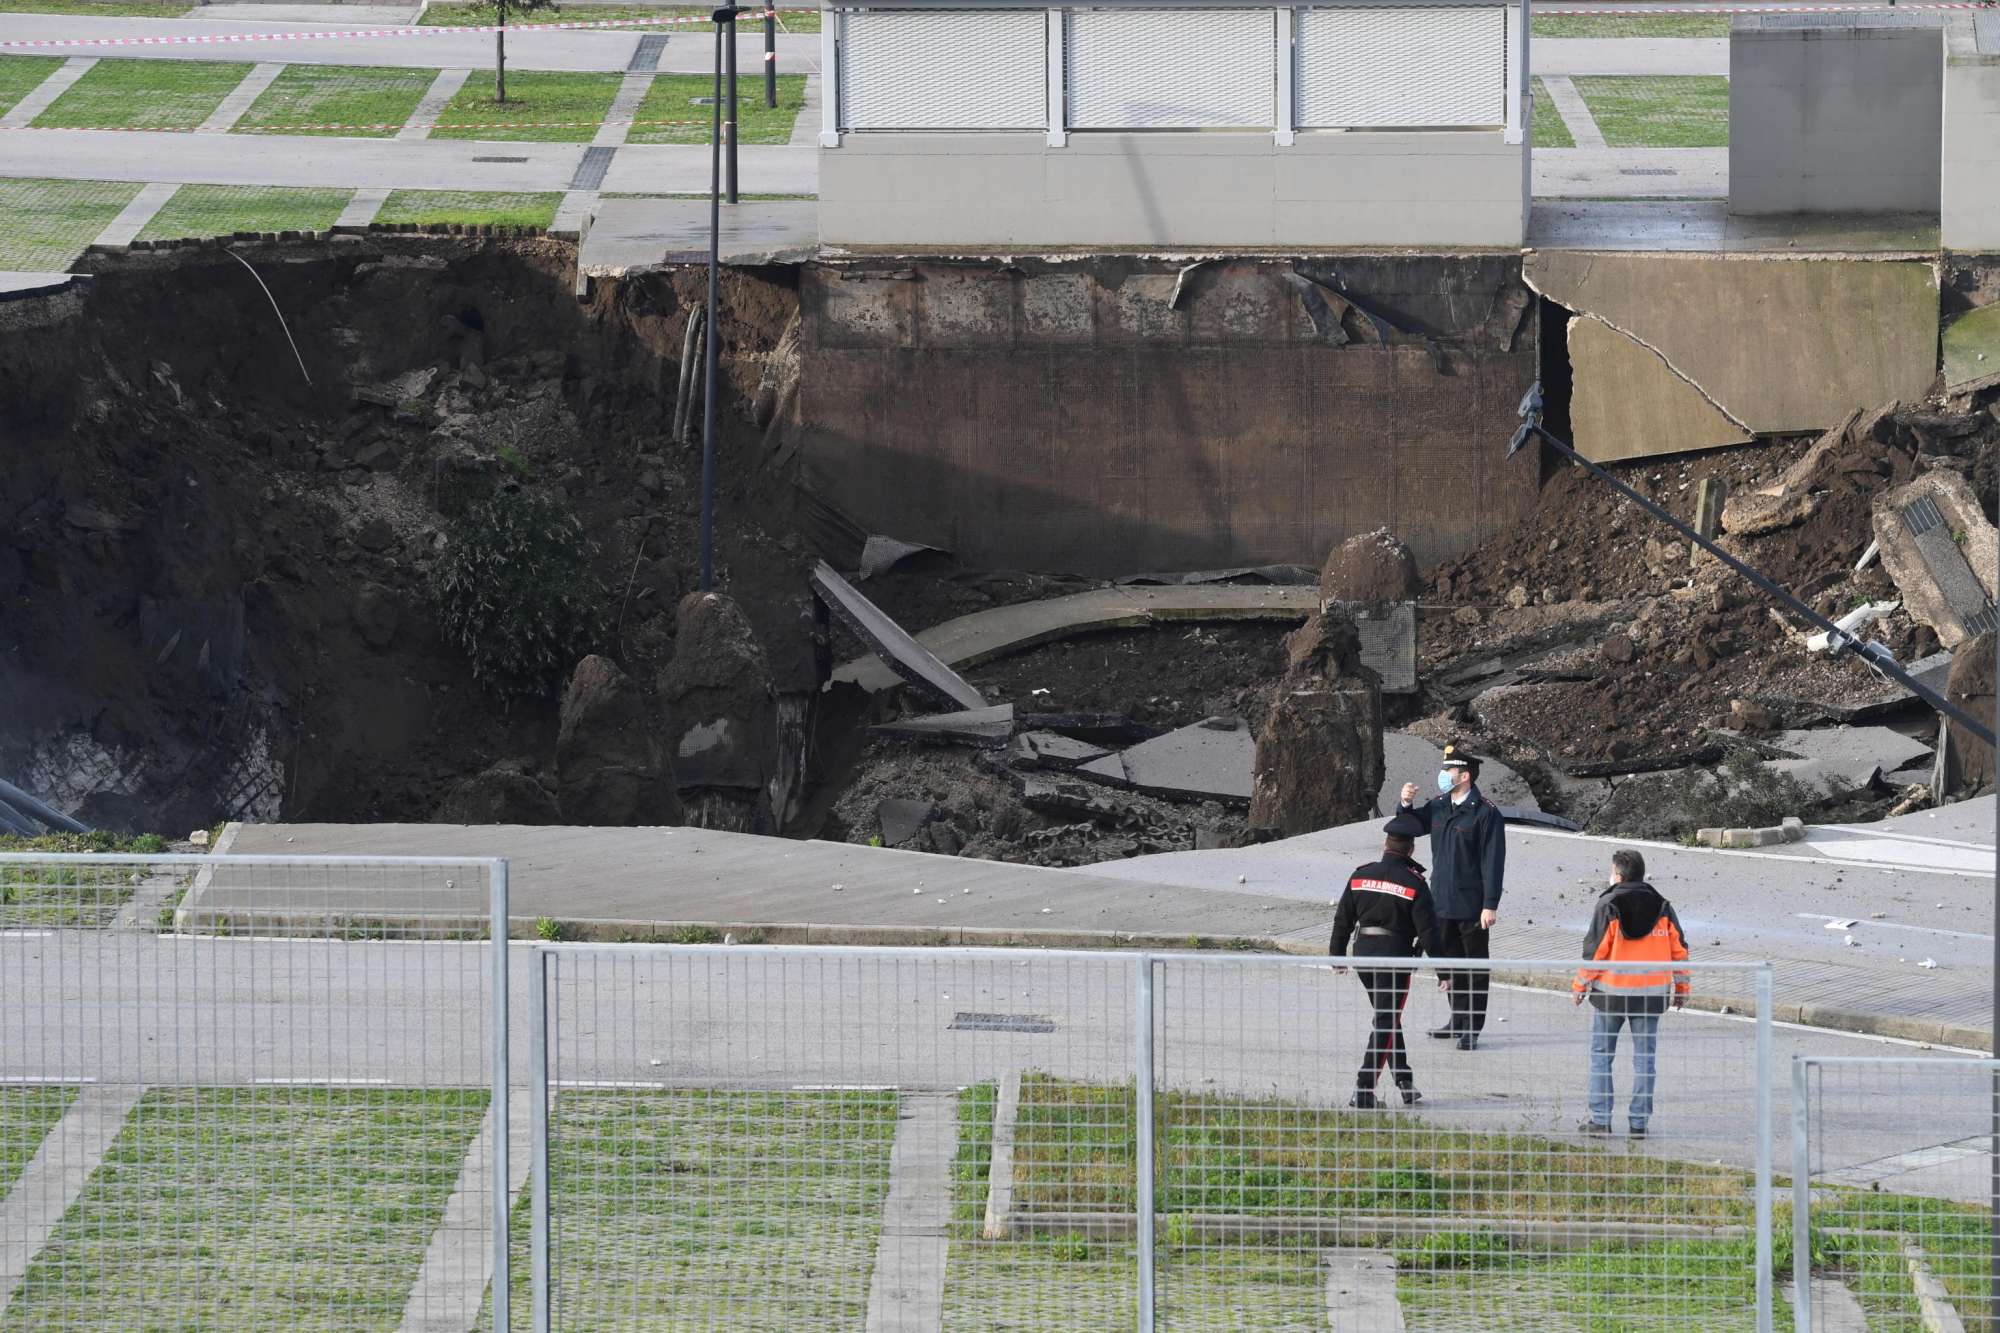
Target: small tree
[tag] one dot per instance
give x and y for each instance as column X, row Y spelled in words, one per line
column 500, row 39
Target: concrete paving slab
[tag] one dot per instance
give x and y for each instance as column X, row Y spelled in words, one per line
column 132, row 219
column 23, row 112
column 362, row 208
column 1575, row 112
column 1564, row 56
column 55, row 1176
column 1361, row 1291
column 1834, row 1309
column 16, row 285
column 804, row 891
column 1857, row 754
column 1621, row 173
column 618, row 120
column 986, row 635
column 988, row 727
column 906, row 1290
column 1214, row 759
column 458, row 1262
column 423, row 118
column 1051, row 749
column 640, row 235
column 257, row 159
column 902, row 654
column 1707, row 225
column 232, row 107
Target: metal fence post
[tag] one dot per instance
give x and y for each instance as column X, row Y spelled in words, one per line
column 497, row 942
column 538, row 1136
column 1143, row 1114
column 1764, row 1149
column 1801, row 1200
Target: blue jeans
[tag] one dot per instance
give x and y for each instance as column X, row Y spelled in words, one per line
column 1604, row 1045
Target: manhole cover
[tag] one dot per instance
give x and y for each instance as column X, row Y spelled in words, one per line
column 965, row 1022
column 701, row 101
column 499, row 159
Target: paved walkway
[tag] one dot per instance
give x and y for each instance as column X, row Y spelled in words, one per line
column 1629, row 55
column 1654, row 173
column 55, row 1176
column 1575, row 112
column 1707, row 225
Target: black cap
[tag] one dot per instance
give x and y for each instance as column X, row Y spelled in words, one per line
column 1403, row 826
column 1457, row 756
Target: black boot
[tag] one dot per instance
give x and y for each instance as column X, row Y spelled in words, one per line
column 1363, row 1099
column 1410, row 1094
column 1445, row 1033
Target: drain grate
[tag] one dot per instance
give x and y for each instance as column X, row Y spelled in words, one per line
column 590, row 171
column 1645, row 171
column 499, row 159
column 1921, row 515
column 969, row 1022
column 646, row 56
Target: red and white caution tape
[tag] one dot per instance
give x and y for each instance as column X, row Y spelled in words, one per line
column 1564, row 11
column 268, row 130
column 346, row 34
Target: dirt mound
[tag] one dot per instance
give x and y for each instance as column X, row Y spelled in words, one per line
column 1373, row 568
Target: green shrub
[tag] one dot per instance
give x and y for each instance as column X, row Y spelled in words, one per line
column 1744, row 794
column 516, row 593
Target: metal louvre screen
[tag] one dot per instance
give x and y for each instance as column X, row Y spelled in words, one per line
column 1414, row 68
column 958, row 70
column 1172, row 69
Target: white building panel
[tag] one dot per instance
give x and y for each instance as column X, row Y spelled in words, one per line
column 1408, row 68
column 1172, row 69
column 982, row 69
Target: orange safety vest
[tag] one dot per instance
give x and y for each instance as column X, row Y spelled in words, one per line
column 1662, row 945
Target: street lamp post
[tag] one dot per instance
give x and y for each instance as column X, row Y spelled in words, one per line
column 725, row 33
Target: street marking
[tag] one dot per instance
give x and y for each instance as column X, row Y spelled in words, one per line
column 39, row 1080
column 1846, row 923
column 321, row 1082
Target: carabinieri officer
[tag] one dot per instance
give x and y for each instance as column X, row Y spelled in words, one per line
column 1468, row 859
column 1386, row 910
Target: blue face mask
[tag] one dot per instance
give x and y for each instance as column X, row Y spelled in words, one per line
column 1444, row 779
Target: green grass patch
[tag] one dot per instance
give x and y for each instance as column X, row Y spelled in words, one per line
column 1860, row 1237
column 48, row 895
column 699, row 1209
column 557, row 107
column 219, row 210
column 670, row 98
column 21, row 75
column 27, row 1114
column 465, row 16
column 485, row 208
column 379, row 99
column 1473, row 1279
column 1636, row 25
column 111, row 9
column 235, row 1208
column 144, row 95
column 1663, row 111
column 971, row 1164
column 1551, row 130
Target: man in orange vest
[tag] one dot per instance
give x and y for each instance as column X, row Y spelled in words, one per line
column 1632, row 924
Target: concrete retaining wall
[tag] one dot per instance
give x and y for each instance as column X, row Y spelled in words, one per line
column 1153, row 190
column 1834, row 119
column 1970, row 213
column 1075, row 416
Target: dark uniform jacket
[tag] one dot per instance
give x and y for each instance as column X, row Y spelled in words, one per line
column 1389, row 904
column 1469, row 851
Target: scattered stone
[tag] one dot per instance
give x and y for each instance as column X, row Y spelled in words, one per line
column 1754, row 512
column 502, row 794
column 1467, row 616
column 1619, row 650
column 721, row 710
column 1319, row 753
column 1517, row 596
column 901, row 820
column 1750, row 717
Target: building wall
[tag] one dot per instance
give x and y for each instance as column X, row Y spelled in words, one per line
column 1834, row 119
column 1970, row 214
column 1112, row 416
column 1163, row 189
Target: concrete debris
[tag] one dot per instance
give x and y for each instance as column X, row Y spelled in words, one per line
column 1049, row 749
column 1868, row 555
column 1857, row 755
column 879, row 554
column 1318, row 756
column 901, row 820
column 1942, row 553
column 1278, row 575
column 988, row 727
column 1411, row 758
column 1965, row 761
column 1211, row 760
column 1852, row 623
column 1389, row 644
column 901, row 653
column 1754, row 513
column 723, row 716
column 502, row 794
column 1630, row 403
column 610, row 769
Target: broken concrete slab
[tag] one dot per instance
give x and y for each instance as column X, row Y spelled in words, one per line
column 1050, row 749
column 1064, row 797
column 988, row 727
column 1857, row 754
column 1753, row 512
column 1389, row 644
column 879, row 554
column 1775, row 344
column 899, row 820
column 1620, row 383
column 1942, row 553
column 1280, row 575
column 1211, row 760
column 1972, row 350
column 897, row 650
column 1409, row 758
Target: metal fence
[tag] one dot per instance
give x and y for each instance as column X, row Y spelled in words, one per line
column 249, row 1092
column 1893, row 1192
column 755, row 1137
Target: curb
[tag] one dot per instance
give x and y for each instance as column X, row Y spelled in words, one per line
column 1792, row 829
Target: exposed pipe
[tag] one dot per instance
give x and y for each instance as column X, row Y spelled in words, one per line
column 41, row 810
column 13, row 821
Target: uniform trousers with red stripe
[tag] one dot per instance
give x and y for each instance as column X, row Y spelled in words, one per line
column 1387, row 991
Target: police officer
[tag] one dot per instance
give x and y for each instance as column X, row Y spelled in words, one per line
column 1468, row 860
column 1386, row 910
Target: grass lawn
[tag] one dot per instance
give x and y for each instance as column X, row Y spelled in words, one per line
column 1551, row 130
column 27, row 1114
column 21, row 75
column 337, row 95
column 470, row 206
column 1470, row 1279
column 699, row 1210
column 463, row 15
column 218, row 210
column 236, row 1208
column 1859, row 1237
column 562, row 107
column 670, row 98
column 1618, row 25
column 111, row 9
column 144, row 95
column 1663, row 111
column 48, row 225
